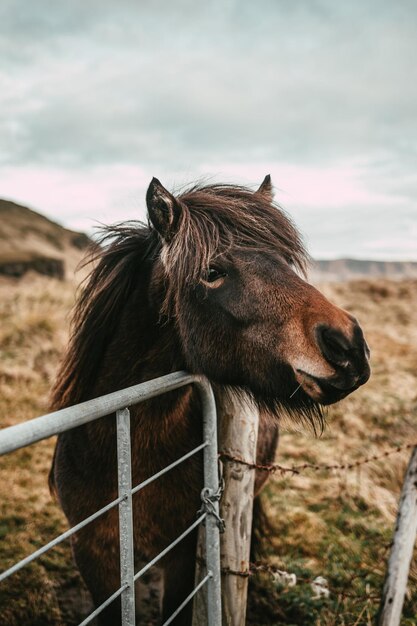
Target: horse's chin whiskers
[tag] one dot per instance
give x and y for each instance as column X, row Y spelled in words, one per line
column 294, row 392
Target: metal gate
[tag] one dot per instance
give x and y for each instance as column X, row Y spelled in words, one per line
column 24, row 434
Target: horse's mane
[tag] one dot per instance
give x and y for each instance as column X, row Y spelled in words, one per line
column 117, row 258
column 214, row 219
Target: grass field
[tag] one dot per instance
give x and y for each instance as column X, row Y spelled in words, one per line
column 334, row 524
column 339, row 524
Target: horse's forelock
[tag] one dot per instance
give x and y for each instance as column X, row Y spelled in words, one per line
column 219, row 218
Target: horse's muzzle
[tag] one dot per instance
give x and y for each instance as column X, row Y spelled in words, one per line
column 330, row 390
column 349, row 358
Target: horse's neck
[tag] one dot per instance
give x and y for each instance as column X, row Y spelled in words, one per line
column 142, row 349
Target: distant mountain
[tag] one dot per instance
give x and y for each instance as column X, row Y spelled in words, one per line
column 30, row 241
column 350, row 269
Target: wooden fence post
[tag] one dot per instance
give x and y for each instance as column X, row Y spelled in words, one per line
column 238, row 435
column 402, row 549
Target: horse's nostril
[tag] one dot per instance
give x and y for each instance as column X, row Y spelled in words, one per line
column 333, row 344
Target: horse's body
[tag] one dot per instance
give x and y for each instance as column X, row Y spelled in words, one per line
column 209, row 287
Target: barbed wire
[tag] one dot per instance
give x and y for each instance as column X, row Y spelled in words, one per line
column 319, row 585
column 279, row 575
column 297, row 469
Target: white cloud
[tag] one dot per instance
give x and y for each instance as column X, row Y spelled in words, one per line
column 97, row 97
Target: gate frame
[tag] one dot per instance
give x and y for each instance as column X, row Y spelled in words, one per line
column 34, row 430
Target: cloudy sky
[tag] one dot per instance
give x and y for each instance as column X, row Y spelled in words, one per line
column 98, row 96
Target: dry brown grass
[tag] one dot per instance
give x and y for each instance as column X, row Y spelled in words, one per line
column 33, row 333
column 333, row 524
column 339, row 523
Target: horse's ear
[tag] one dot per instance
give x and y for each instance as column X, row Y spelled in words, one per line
column 265, row 189
column 163, row 209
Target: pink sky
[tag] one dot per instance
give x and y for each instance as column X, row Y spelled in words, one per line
column 323, row 201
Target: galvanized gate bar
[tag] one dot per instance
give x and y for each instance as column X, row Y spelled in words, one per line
column 27, row 433
column 124, row 472
column 28, row 559
column 101, row 608
column 211, row 482
column 168, row 548
column 187, row 600
column 168, row 468
column 71, row 531
column 34, row 430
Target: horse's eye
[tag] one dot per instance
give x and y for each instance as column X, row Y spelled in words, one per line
column 214, row 274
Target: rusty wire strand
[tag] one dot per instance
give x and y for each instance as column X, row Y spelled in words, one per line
column 266, row 568
column 255, row 568
column 297, row 469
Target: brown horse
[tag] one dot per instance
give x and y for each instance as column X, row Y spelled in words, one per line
column 212, row 285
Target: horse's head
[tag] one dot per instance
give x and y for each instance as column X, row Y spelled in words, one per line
column 232, row 262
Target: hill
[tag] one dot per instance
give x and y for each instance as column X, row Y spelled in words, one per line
column 31, row 242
